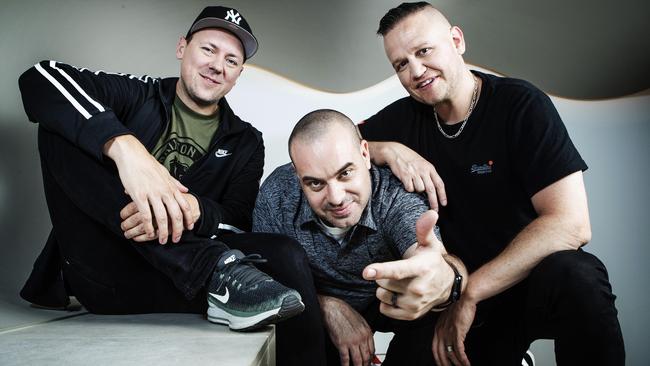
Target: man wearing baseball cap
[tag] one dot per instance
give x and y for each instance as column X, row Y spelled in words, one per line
column 149, row 183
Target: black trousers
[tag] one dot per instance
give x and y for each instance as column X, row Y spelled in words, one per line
column 567, row 298
column 410, row 346
column 111, row 275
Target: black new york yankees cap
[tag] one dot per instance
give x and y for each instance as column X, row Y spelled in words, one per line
column 229, row 19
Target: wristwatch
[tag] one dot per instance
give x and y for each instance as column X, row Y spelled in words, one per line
column 456, row 287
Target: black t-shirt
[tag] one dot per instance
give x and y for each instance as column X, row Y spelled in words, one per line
column 514, row 145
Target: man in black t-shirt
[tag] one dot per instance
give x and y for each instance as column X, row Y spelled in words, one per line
column 517, row 211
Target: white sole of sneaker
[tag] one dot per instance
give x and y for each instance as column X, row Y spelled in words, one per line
column 290, row 306
column 216, row 315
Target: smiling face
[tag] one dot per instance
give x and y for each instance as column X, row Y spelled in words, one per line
column 426, row 53
column 211, row 62
column 334, row 174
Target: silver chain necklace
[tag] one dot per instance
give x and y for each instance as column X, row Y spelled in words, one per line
column 472, row 104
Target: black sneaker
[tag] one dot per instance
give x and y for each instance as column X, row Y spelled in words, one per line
column 245, row 298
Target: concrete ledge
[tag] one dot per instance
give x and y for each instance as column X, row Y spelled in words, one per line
column 147, row 339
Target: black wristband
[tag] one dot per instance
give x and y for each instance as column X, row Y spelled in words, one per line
column 456, row 288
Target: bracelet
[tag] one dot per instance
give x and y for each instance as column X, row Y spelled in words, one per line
column 456, row 288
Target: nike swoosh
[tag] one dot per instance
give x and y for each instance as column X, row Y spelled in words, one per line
column 222, row 155
column 222, row 298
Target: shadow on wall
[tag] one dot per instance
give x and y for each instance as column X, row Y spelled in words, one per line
column 24, row 220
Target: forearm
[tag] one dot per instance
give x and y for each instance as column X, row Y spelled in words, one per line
column 329, row 305
column 460, row 267
column 121, row 148
column 542, row 237
column 381, row 152
column 322, row 299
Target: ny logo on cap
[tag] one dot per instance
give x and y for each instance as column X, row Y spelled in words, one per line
column 232, row 16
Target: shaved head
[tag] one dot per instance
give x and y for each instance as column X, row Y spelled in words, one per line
column 399, row 13
column 316, row 125
column 437, row 18
column 332, row 163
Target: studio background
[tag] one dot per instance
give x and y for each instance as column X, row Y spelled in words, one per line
column 591, row 56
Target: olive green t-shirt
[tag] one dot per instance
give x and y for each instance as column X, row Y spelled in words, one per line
column 186, row 140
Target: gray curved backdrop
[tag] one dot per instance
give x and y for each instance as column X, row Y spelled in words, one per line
column 575, row 49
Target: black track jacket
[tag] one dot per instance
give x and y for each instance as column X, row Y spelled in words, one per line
column 89, row 108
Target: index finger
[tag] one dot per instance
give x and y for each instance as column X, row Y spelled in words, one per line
column 403, row 174
column 396, row 270
column 435, row 346
column 344, row 355
column 179, row 185
column 459, row 350
column 443, row 356
column 430, row 189
column 440, row 187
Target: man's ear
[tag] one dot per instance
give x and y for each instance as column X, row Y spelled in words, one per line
column 459, row 39
column 365, row 153
column 180, row 47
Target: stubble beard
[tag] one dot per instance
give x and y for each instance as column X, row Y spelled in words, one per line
column 191, row 93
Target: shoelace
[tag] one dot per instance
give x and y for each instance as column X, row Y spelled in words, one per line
column 242, row 273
